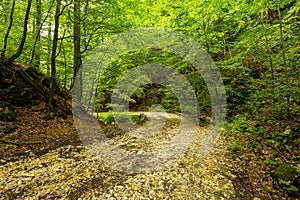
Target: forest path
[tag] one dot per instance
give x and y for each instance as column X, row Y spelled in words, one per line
column 71, row 172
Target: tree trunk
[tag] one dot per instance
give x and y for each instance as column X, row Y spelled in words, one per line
column 49, row 50
column 288, row 103
column 77, row 53
column 53, row 58
column 21, row 46
column 266, row 33
column 9, row 28
column 35, row 54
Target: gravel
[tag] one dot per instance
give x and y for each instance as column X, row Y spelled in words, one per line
column 70, row 172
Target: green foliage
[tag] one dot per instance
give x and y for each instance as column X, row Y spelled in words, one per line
column 141, row 118
column 150, row 94
column 106, row 117
column 262, row 93
column 243, row 133
column 287, row 177
column 284, row 141
column 255, row 45
column 109, row 117
column 98, row 20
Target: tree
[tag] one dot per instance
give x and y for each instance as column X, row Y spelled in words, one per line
column 9, row 28
column 23, row 40
column 35, row 55
column 53, row 57
column 77, row 52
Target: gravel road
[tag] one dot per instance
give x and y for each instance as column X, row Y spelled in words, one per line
column 70, row 172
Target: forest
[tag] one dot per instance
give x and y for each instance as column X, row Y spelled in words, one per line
column 247, row 89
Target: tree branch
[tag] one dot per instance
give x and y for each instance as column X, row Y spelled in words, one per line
column 63, row 8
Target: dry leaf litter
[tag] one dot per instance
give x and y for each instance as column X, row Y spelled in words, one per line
column 70, row 172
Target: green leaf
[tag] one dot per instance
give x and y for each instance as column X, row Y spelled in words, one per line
column 293, row 188
column 288, row 148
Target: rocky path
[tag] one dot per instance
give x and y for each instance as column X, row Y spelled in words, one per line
column 70, row 172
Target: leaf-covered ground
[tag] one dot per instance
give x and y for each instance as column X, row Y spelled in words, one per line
column 33, row 134
column 44, row 159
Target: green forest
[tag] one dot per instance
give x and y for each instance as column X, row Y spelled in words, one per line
column 45, row 46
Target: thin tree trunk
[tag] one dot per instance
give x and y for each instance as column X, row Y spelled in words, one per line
column 224, row 50
column 288, row 103
column 35, row 54
column 37, row 49
column 53, row 57
column 21, row 46
column 206, row 36
column 65, row 67
column 281, row 42
column 49, row 50
column 9, row 28
column 268, row 46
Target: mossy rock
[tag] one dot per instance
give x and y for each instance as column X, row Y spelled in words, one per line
column 287, row 177
column 7, row 112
